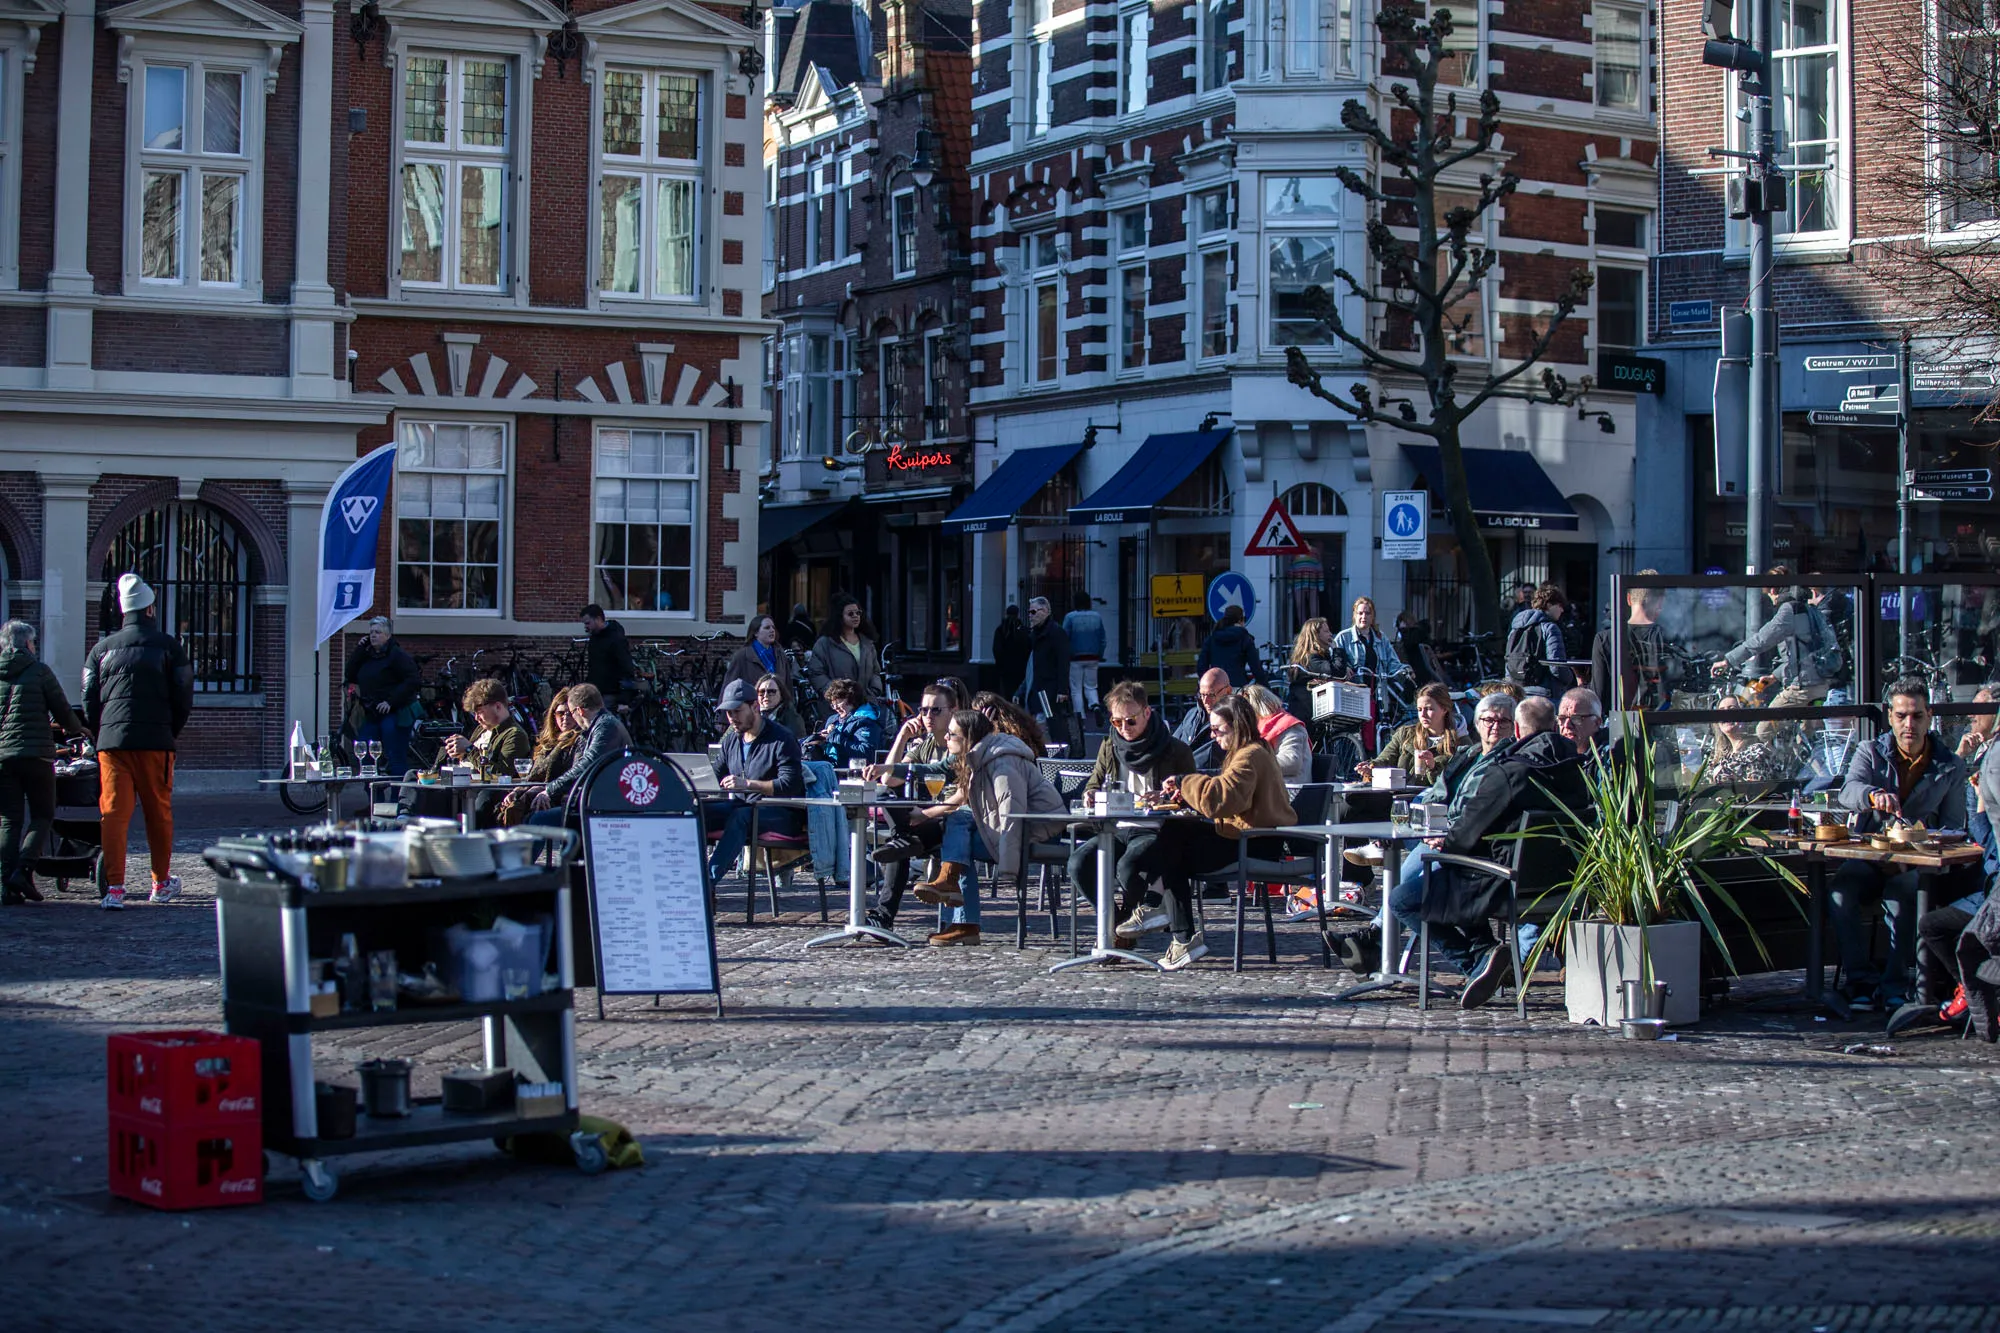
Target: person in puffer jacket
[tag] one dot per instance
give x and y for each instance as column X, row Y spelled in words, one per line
column 30, row 698
column 138, row 692
column 998, row 777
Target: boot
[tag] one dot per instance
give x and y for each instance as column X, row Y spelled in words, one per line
column 946, row 890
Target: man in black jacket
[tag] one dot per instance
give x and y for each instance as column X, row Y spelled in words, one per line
column 1536, row 772
column 607, row 657
column 759, row 759
column 1046, row 689
column 138, row 691
column 603, row 736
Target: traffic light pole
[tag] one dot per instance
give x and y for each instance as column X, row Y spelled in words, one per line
column 1765, row 421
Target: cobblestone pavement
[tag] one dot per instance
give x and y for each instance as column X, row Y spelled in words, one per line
column 958, row 1140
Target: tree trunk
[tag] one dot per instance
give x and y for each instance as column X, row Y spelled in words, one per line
column 1479, row 574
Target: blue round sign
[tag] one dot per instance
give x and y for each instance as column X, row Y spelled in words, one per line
column 1229, row 589
column 1404, row 520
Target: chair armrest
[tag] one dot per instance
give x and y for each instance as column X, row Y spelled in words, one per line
column 1476, row 864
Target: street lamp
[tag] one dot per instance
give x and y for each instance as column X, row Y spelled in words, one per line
column 922, row 169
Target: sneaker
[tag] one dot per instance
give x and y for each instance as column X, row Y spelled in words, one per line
column 956, row 937
column 23, row 889
column 1184, row 955
column 1955, row 1008
column 1914, row 1015
column 167, row 892
column 1144, row 917
column 1487, row 974
column 895, row 849
column 1368, row 854
column 113, row 899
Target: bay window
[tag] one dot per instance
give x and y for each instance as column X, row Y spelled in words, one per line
column 194, row 179
column 1209, row 223
column 1302, row 247
column 456, row 163
column 451, row 482
column 650, row 132
column 644, row 503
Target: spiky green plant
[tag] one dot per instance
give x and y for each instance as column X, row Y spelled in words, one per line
column 1634, row 868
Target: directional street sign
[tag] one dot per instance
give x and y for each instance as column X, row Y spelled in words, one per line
column 1176, row 595
column 1952, row 476
column 1975, row 494
column 1873, row 398
column 1856, row 420
column 1851, row 365
column 1229, row 589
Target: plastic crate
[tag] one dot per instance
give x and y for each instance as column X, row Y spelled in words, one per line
column 185, row 1079
column 175, row 1167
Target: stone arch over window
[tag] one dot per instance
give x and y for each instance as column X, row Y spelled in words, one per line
column 1311, row 499
column 202, row 569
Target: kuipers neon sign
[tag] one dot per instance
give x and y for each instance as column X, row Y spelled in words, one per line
column 904, row 459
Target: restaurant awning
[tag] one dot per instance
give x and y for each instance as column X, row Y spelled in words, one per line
column 1148, row 477
column 778, row 524
column 1507, row 486
column 997, row 499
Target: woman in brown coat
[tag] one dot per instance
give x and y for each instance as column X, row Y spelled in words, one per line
column 1248, row 794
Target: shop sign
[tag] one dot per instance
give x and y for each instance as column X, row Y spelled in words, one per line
column 1638, row 374
column 1176, row 595
column 1892, row 604
column 1510, row 520
column 912, row 458
column 1691, row 312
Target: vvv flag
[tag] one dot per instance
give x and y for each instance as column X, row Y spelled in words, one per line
column 348, row 528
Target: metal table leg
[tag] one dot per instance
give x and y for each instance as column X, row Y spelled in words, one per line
column 857, row 888
column 1107, row 867
column 1388, row 978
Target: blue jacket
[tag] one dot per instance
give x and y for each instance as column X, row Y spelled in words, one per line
column 1938, row 800
column 1386, row 662
column 1234, row 650
column 856, row 736
column 1086, row 633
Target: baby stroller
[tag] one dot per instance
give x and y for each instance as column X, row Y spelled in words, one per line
column 76, row 851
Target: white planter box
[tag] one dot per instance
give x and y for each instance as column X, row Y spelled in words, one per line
column 1597, row 957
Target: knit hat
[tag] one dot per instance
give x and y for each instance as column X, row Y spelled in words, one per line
column 133, row 593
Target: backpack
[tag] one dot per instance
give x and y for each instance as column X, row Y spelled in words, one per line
column 1525, row 666
column 1827, row 657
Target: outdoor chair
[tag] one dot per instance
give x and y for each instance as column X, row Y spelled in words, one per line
column 1264, row 860
column 1533, row 864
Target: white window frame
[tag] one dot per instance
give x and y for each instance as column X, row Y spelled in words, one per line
column 1280, row 228
column 1130, row 258
column 1036, row 57
column 902, row 226
column 503, row 582
column 1134, row 57
column 1210, row 15
column 1939, row 225
column 1203, row 245
column 17, row 42
column 815, row 199
column 696, row 492
column 1474, row 45
column 1301, row 44
column 654, row 171
column 843, row 208
column 1839, row 173
column 1639, row 14
column 1637, row 269
column 771, row 224
column 455, row 156
column 935, row 369
column 1048, row 275
column 246, row 165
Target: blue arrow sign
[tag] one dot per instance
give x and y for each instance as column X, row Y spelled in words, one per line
column 1229, row 589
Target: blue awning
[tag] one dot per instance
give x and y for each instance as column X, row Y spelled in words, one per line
column 778, row 524
column 1507, row 486
column 1148, row 477
column 996, row 500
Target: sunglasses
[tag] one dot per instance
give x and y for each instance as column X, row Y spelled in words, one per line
column 932, row 710
column 1123, row 722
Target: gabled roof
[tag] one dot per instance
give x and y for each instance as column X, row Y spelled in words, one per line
column 667, row 20
column 823, row 36
column 537, row 15
column 240, row 19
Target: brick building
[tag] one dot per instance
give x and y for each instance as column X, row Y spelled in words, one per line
column 1841, row 295
column 241, row 244
column 1153, row 195
column 868, row 276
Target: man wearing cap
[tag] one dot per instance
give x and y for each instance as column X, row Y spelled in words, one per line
column 138, row 691
column 759, row 759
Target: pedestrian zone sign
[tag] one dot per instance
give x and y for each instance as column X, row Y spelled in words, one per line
column 1277, row 534
column 1405, row 525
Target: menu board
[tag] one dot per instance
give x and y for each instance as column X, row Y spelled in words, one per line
column 654, row 934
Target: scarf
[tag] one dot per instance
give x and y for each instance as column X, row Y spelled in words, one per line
column 1145, row 754
column 768, row 656
column 1276, row 725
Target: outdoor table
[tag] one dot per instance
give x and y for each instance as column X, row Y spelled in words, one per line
column 1391, row 836
column 461, row 794
column 1107, row 871
column 332, row 786
column 857, row 809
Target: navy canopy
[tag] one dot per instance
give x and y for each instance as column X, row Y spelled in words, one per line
column 1148, row 477
column 778, row 524
column 997, row 499
column 1507, row 486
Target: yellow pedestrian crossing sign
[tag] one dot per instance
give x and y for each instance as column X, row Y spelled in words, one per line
column 1179, row 595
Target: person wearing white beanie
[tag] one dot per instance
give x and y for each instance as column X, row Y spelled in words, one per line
column 138, row 692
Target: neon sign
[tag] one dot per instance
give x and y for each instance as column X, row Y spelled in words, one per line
column 905, row 459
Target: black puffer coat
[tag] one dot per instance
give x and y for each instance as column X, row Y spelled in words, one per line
column 30, row 695
column 138, row 688
column 384, row 677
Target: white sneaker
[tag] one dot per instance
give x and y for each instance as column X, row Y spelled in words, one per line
column 167, row 892
column 1368, row 854
column 1183, row 955
column 113, row 899
column 1144, row 917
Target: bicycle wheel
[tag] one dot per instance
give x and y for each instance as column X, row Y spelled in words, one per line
column 303, row 798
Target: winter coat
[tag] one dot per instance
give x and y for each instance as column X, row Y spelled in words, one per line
column 1108, row 773
column 1937, row 801
column 1350, row 643
column 607, row 660
column 1086, row 633
column 830, row 660
column 1550, row 651
column 747, row 667
column 1048, row 665
column 1978, row 955
column 1287, row 737
column 857, row 736
column 773, row 756
column 1536, row 774
column 1248, row 794
column 1007, row 781
column 1789, row 632
column 606, row 737
column 138, row 689
column 1234, row 649
column 1011, row 645
column 30, row 695
column 385, row 677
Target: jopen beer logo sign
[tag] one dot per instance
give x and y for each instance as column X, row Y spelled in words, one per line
column 638, row 783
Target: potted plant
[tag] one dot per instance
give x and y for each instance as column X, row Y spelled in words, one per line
column 1641, row 893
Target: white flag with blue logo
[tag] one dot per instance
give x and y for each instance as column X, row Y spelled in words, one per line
column 348, row 528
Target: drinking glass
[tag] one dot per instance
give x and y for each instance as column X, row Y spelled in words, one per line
column 1399, row 811
column 523, row 767
column 934, row 786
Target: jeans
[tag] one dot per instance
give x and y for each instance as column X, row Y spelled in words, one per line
column 957, row 845
column 826, row 829
column 395, row 740
column 1182, row 850
column 1131, row 881
column 929, row 834
column 33, row 780
column 733, row 819
column 1857, row 890
column 1459, row 946
column 1938, row 931
column 550, row 818
column 1083, row 682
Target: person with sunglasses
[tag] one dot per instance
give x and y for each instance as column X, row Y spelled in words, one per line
column 1211, row 689
column 774, row 701
column 918, row 753
column 1139, row 755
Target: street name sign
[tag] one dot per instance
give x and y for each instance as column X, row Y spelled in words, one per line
column 1851, row 365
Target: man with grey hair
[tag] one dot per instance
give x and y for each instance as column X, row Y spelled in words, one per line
column 1580, row 719
column 30, row 697
column 1210, row 690
column 1047, row 683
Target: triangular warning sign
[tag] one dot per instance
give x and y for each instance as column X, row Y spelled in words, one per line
column 1277, row 534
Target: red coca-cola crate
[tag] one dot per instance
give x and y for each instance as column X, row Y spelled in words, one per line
column 175, row 1167
column 185, row 1078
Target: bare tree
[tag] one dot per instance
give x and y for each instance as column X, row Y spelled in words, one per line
column 1428, row 289
column 1943, row 94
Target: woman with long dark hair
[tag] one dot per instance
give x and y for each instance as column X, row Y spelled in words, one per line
column 847, row 649
column 1010, row 717
column 762, row 656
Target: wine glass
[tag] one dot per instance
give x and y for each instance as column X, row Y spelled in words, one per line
column 1399, row 811
column 523, row 767
column 374, row 756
